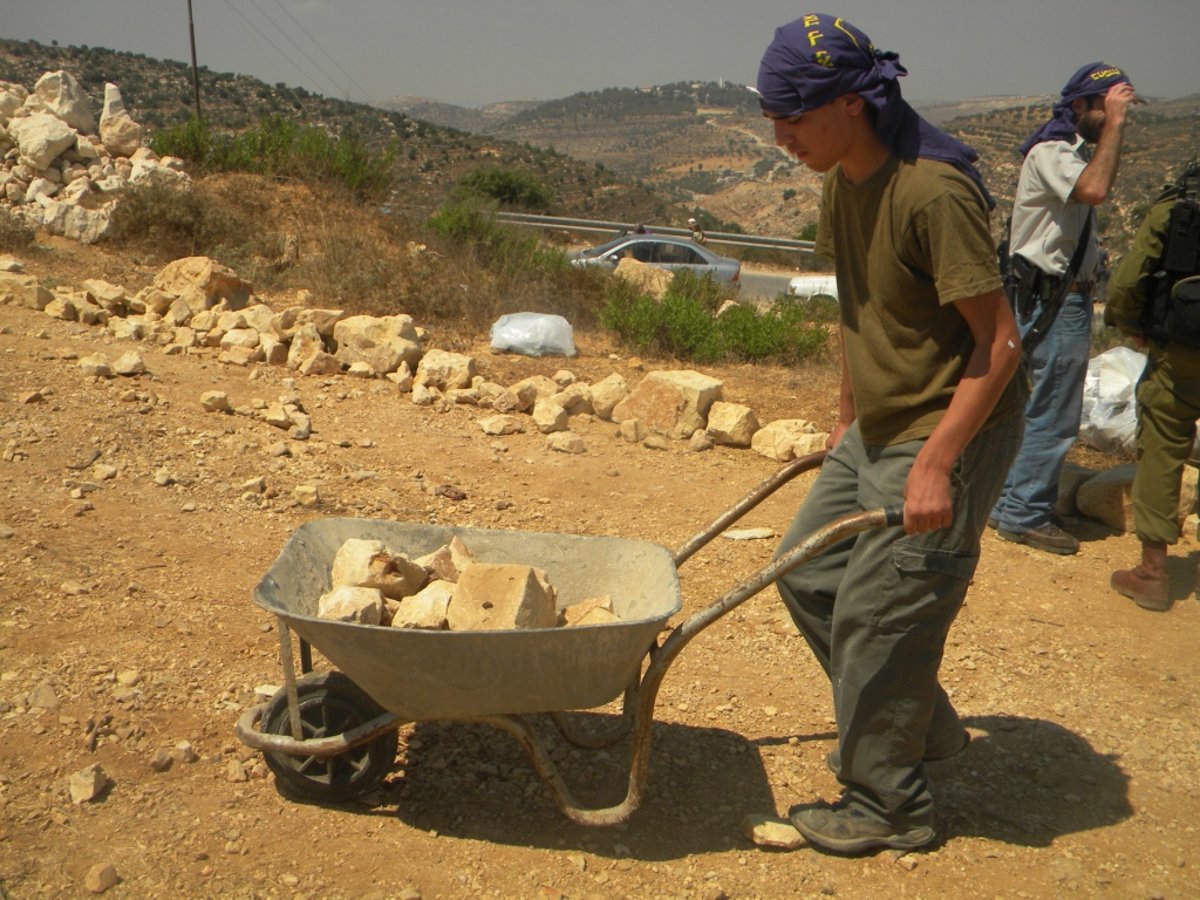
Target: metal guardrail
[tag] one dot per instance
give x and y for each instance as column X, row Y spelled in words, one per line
column 710, row 237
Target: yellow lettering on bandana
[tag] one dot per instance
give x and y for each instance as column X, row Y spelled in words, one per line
column 1101, row 74
column 822, row 58
column 811, row 20
column 813, row 37
column 837, row 23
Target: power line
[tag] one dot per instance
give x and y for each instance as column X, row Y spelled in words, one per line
column 365, row 93
column 258, row 30
column 288, row 38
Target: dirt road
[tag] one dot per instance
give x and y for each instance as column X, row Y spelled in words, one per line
column 127, row 629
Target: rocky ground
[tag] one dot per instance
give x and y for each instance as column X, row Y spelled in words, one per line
column 132, row 535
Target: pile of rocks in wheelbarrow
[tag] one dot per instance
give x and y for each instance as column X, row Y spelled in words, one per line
column 447, row 589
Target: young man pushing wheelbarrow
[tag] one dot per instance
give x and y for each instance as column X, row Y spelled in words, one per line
column 930, row 415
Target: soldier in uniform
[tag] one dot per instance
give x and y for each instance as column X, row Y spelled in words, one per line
column 1151, row 295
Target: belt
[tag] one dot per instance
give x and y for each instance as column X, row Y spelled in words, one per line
column 1048, row 285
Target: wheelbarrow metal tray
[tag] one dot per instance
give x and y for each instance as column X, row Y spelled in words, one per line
column 420, row 674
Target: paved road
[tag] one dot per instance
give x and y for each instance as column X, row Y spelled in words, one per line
column 763, row 284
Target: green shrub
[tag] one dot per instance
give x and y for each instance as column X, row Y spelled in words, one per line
column 282, row 147
column 508, row 187
column 14, row 234
column 179, row 221
column 683, row 324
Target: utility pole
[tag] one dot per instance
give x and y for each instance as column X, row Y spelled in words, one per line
column 195, row 71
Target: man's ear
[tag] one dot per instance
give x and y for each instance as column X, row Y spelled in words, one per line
column 855, row 104
column 1078, row 107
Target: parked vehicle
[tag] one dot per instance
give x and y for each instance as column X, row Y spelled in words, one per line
column 809, row 286
column 664, row 252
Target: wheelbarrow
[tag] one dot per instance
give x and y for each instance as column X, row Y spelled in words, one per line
column 331, row 736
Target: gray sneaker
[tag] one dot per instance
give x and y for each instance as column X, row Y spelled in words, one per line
column 1048, row 537
column 845, row 829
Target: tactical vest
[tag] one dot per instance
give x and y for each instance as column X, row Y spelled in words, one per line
column 1172, row 306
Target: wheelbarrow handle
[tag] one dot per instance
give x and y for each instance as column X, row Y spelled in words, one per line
column 814, row 544
column 757, row 495
column 645, row 692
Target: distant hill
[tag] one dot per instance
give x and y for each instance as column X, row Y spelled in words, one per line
column 653, row 154
column 709, row 145
column 447, row 115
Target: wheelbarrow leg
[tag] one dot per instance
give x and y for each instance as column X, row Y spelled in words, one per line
column 662, row 655
column 289, row 678
column 607, row 737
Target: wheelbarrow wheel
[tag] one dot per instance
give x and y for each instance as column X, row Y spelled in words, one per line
column 330, row 703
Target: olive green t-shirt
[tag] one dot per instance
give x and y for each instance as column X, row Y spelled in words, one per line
column 907, row 243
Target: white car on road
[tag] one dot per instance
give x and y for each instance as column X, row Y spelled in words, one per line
column 809, row 286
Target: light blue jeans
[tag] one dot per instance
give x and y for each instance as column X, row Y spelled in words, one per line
column 1057, row 369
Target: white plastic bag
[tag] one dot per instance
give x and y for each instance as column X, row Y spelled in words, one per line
column 533, row 334
column 1109, row 420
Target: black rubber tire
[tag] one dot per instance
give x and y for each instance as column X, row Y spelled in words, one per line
column 330, row 703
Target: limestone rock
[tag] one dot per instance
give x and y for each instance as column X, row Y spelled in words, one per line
column 1069, row 481
column 591, row 611
column 787, row 439
column 549, row 416
column 382, row 341
column 1106, row 497
column 675, row 403
column 352, row 604
column 502, row 596
column 645, row 277
column 566, row 442
column 60, row 95
column 101, row 877
column 445, row 371
column 448, row 561
column 501, row 425
column 119, row 133
column 41, row 138
column 205, row 281
column 23, row 290
column 770, row 831
column 363, row 563
column 606, row 394
column 731, row 424
column 87, row 784
column 428, row 608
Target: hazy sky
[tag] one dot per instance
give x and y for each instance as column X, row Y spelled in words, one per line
column 473, row 52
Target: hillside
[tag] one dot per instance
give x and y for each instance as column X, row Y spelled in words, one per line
column 653, row 154
column 429, row 158
column 719, row 150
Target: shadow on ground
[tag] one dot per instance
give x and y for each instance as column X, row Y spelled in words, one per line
column 1027, row 782
column 1022, row 781
column 475, row 782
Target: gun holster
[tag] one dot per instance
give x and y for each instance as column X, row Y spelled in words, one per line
column 1023, row 285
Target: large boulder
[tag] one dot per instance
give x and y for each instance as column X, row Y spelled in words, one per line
column 383, row 342
column 41, row 138
column 60, row 95
column 204, row 283
column 671, row 403
column 120, row 134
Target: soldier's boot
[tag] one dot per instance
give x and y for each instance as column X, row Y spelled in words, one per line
column 1146, row 583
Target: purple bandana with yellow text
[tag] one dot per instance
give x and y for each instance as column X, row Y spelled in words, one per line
column 818, row 58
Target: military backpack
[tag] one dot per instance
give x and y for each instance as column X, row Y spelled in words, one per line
column 1172, row 294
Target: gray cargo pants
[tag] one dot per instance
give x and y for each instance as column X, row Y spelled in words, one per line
column 876, row 611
